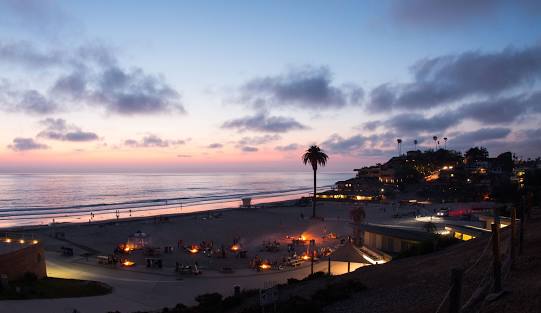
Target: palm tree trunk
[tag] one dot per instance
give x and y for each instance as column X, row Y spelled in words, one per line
column 314, row 197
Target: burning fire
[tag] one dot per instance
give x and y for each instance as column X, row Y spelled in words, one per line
column 306, row 257
column 128, row 263
column 302, row 237
column 264, row 266
column 235, row 247
column 127, row 249
column 194, row 249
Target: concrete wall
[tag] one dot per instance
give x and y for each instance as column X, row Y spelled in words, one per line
column 30, row 258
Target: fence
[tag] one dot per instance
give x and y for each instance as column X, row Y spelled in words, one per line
column 501, row 259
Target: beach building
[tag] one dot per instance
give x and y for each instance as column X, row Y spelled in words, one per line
column 391, row 240
column 465, row 233
column 20, row 256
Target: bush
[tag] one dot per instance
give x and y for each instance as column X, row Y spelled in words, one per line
column 337, row 291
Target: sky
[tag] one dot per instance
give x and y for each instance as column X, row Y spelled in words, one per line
column 179, row 86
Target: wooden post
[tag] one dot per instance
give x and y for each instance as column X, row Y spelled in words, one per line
column 497, row 263
column 513, row 236
column 329, row 267
column 349, row 266
column 521, row 234
column 455, row 297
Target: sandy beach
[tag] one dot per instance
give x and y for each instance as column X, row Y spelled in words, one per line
column 139, row 287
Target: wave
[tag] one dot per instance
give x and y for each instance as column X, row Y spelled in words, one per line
column 139, row 205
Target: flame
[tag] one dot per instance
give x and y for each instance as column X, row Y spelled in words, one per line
column 194, row 249
column 264, row 266
column 306, row 257
column 235, row 247
column 128, row 263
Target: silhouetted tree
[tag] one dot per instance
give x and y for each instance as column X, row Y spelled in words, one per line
column 315, row 156
column 476, row 154
column 358, row 215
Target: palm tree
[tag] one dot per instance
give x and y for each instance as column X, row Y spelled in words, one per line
column 435, row 138
column 415, row 142
column 315, row 156
column 358, row 215
column 399, row 142
column 445, row 140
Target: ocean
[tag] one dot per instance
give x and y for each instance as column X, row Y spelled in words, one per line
column 41, row 199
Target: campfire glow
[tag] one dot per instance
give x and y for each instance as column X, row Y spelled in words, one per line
column 128, row 263
column 193, row 249
column 306, row 257
column 264, row 266
column 235, row 247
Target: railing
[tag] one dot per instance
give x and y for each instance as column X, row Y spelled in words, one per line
column 501, row 260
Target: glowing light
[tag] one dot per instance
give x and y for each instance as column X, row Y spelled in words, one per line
column 235, row 247
column 8, row 240
column 193, row 249
column 265, row 266
column 35, row 241
column 128, row 263
column 21, row 241
column 306, row 257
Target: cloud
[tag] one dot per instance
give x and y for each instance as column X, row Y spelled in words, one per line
column 152, row 141
column 26, row 144
column 183, row 156
column 440, row 12
column 446, row 79
column 120, row 91
column 289, row 147
column 258, row 140
column 307, row 87
column 27, row 101
column 249, row 149
column 471, row 138
column 89, row 75
column 338, row 144
column 43, row 16
column 501, row 110
column 414, row 123
column 59, row 129
column 262, row 122
column 215, row 146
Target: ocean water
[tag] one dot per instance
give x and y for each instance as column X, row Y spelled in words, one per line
column 38, row 199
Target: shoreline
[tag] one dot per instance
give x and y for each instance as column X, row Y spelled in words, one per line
column 40, row 227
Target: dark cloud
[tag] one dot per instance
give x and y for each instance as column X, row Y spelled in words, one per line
column 120, row 91
column 262, row 122
column 26, row 101
column 43, row 16
column 152, row 141
column 308, row 87
column 91, row 75
column 26, row 54
column 59, row 129
column 414, row 123
column 289, row 147
column 338, row 144
column 215, row 146
column 257, row 140
column 469, row 139
column 26, row 144
column 441, row 12
column 446, row 79
column 249, row 149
